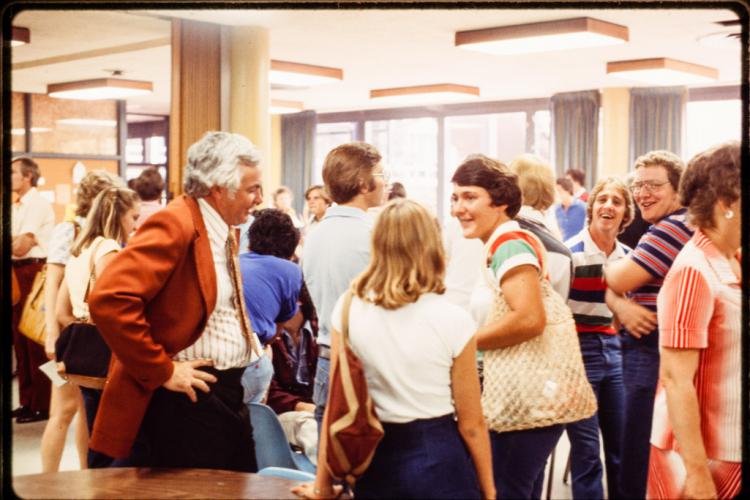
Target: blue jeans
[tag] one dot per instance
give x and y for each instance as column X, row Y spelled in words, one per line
column 256, row 379
column 602, row 357
column 320, row 391
column 518, row 460
column 640, row 369
column 420, row 459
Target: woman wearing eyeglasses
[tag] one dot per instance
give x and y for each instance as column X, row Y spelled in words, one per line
column 633, row 284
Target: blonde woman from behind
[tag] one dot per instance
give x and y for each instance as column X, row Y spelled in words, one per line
column 418, row 352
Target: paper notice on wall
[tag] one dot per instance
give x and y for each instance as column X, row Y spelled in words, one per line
column 63, row 193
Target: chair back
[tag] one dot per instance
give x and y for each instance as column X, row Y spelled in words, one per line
column 272, row 448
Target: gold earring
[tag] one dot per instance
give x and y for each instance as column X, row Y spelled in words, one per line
column 729, row 214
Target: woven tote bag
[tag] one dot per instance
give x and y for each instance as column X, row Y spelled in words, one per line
column 542, row 381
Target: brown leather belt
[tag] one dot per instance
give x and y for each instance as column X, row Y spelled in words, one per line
column 26, row 262
column 324, row 351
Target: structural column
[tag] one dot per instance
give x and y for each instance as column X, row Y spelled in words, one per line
column 196, row 63
column 616, row 131
column 249, row 92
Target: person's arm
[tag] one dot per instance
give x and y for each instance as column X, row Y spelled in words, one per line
column 22, row 244
column 624, row 276
column 638, row 320
column 471, row 424
column 52, row 282
column 677, row 372
column 526, row 318
column 323, row 486
column 63, row 308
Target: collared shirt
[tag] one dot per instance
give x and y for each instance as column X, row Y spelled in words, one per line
column 700, row 307
column 546, row 218
column 572, row 219
column 222, row 340
column 334, row 254
column 586, row 299
column 61, row 241
column 32, row 213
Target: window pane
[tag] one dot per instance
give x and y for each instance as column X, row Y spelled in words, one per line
column 409, row 149
column 712, row 122
column 542, row 134
column 72, row 126
column 156, row 150
column 327, row 137
column 134, row 150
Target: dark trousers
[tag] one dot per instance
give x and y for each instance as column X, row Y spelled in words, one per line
column 602, row 357
column 214, row 433
column 420, row 459
column 640, row 368
column 519, row 458
column 33, row 385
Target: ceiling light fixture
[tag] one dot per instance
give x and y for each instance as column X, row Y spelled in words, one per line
column 34, row 130
column 662, row 71
column 20, row 36
column 546, row 36
column 87, row 122
column 99, row 88
column 424, row 94
column 281, row 107
column 302, row 75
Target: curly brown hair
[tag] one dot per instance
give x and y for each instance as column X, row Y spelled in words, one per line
column 711, row 176
column 91, row 185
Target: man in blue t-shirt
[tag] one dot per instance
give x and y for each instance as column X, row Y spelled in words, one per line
column 271, row 284
column 570, row 212
column 640, row 275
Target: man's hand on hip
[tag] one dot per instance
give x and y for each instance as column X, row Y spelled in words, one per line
column 186, row 376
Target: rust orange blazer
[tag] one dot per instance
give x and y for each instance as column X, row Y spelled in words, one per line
column 152, row 301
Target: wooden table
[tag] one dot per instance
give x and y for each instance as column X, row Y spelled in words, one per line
column 131, row 482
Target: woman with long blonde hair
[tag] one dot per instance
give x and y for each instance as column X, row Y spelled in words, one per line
column 109, row 224
column 418, row 352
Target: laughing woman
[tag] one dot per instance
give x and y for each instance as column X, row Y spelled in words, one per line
column 486, row 197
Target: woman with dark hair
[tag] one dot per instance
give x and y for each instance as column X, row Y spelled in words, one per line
column 486, row 197
column 271, row 286
column 149, row 185
column 696, row 439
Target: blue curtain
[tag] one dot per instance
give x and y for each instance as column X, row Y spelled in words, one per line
column 575, row 131
column 656, row 119
column 297, row 153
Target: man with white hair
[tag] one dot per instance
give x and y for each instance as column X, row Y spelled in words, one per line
column 170, row 307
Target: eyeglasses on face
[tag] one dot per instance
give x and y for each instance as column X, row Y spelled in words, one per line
column 647, row 186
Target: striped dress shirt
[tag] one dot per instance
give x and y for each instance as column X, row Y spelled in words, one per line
column 222, row 340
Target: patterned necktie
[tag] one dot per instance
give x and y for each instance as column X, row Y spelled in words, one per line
column 239, row 305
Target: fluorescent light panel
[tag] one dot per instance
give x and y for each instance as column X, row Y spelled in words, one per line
column 547, row 36
column 34, row 130
column 100, row 88
column 302, row 75
column 280, row 107
column 426, row 94
column 87, row 122
column 20, row 36
column 662, row 71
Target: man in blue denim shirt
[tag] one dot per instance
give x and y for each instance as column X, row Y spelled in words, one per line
column 339, row 248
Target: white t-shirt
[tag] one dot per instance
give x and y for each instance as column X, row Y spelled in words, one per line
column 78, row 271
column 407, row 353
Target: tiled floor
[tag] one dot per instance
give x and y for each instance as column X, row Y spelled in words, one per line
column 27, row 438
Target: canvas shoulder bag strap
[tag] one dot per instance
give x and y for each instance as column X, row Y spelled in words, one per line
column 92, row 276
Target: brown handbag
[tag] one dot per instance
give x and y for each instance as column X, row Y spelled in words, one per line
column 353, row 430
